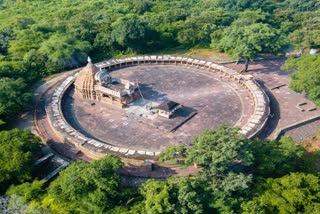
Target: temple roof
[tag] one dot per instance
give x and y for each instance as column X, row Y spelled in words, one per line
column 86, row 76
column 167, row 105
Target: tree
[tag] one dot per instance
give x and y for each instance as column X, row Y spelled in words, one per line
column 230, row 191
column 18, row 152
column 306, row 75
column 294, row 193
column 226, row 158
column 307, row 34
column 86, row 187
column 24, row 41
column 173, row 153
column 306, row 5
column 193, row 196
column 246, row 42
column 64, row 51
column 28, row 191
column 220, row 151
column 5, row 37
column 158, row 197
column 177, row 195
column 13, row 97
column 278, row 158
column 28, row 196
column 130, row 32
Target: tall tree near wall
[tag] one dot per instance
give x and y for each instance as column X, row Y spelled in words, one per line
column 246, row 42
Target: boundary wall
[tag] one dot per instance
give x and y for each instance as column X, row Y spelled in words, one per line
column 96, row 148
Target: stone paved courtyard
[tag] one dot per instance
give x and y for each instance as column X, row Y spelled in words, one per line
column 304, row 131
column 216, row 101
column 284, row 101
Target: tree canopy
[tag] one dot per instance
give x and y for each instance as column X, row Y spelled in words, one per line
column 232, row 164
column 18, row 152
column 294, row 193
column 86, row 187
column 245, row 41
column 13, row 97
column 305, row 75
column 238, row 176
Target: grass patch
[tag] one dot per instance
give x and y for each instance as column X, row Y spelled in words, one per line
column 201, row 53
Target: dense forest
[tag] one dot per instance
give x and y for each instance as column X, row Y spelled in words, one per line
column 41, row 37
column 253, row 176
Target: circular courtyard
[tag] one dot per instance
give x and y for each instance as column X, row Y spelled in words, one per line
column 207, row 99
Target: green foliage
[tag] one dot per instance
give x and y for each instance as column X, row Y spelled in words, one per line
column 28, row 191
column 277, row 158
column 306, row 75
column 39, row 38
column 244, row 41
column 226, row 158
column 307, row 34
column 61, row 51
column 5, row 37
column 220, row 151
column 13, row 97
column 24, row 41
column 105, row 28
column 173, row 153
column 232, row 165
column 86, row 187
column 18, row 152
column 237, row 174
column 185, row 195
column 158, row 196
column 306, row 5
column 130, row 32
column 294, row 193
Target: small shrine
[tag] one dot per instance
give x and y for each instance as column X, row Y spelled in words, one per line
column 167, row 108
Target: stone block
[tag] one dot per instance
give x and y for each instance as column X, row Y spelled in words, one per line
column 115, row 149
column 131, row 152
column 150, row 153
column 141, row 152
column 123, row 150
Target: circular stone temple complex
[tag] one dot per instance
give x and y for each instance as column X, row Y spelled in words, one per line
column 136, row 107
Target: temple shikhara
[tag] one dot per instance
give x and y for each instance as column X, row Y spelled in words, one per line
column 114, row 91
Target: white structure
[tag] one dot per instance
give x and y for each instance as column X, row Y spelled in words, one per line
column 167, row 108
column 313, row 51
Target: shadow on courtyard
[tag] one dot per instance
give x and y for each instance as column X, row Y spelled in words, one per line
column 149, row 93
column 268, row 66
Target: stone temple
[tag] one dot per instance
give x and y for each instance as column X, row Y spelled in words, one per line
column 115, row 91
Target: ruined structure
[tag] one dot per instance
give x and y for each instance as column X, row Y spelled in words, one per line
column 117, row 92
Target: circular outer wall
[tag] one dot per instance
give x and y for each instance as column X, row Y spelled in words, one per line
column 96, row 148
